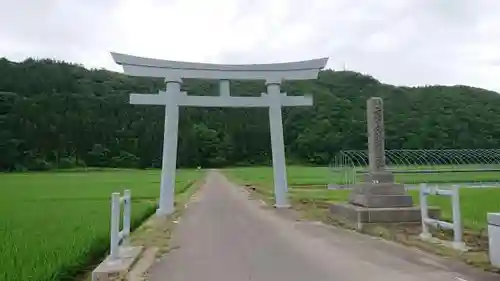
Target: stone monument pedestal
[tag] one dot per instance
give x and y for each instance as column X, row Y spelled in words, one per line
column 359, row 215
column 379, row 203
column 380, row 195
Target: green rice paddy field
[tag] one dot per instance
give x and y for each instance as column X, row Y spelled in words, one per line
column 309, row 184
column 53, row 225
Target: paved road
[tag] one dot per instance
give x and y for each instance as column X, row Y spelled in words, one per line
column 224, row 236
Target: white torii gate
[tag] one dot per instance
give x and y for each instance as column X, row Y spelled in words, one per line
column 172, row 98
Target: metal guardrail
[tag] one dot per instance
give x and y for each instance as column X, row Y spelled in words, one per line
column 117, row 236
column 455, row 225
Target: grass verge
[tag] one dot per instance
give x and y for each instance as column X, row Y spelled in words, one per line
column 156, row 231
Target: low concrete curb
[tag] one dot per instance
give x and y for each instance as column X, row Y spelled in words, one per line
column 141, row 267
column 117, row 269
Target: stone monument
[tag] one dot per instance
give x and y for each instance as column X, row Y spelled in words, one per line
column 378, row 199
column 378, row 189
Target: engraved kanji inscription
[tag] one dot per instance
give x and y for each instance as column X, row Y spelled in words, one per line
column 376, row 138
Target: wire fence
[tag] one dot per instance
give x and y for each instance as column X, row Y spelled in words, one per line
column 413, row 166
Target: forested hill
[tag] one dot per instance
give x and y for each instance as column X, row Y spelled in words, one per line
column 54, row 114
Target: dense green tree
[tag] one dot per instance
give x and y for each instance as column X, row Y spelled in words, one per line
column 59, row 115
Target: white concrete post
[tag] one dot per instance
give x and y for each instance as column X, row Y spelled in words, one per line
column 127, row 212
column 494, row 238
column 457, row 218
column 169, row 158
column 425, row 234
column 115, row 225
column 277, row 144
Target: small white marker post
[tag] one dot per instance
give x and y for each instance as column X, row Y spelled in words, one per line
column 127, row 212
column 117, row 236
column 172, row 98
column 115, row 225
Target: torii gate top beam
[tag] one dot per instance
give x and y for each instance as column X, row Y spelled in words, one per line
column 140, row 66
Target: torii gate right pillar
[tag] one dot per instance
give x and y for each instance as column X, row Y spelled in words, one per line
column 277, row 144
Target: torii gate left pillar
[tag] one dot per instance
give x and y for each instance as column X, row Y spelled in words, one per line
column 172, row 98
column 169, row 157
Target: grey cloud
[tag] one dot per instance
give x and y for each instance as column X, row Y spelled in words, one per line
column 424, row 39
column 54, row 28
column 401, row 42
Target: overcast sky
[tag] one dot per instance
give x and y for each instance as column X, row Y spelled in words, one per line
column 402, row 42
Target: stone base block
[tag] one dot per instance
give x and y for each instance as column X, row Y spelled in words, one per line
column 378, row 177
column 381, row 201
column 117, row 269
column 382, row 195
column 358, row 215
column 379, row 189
